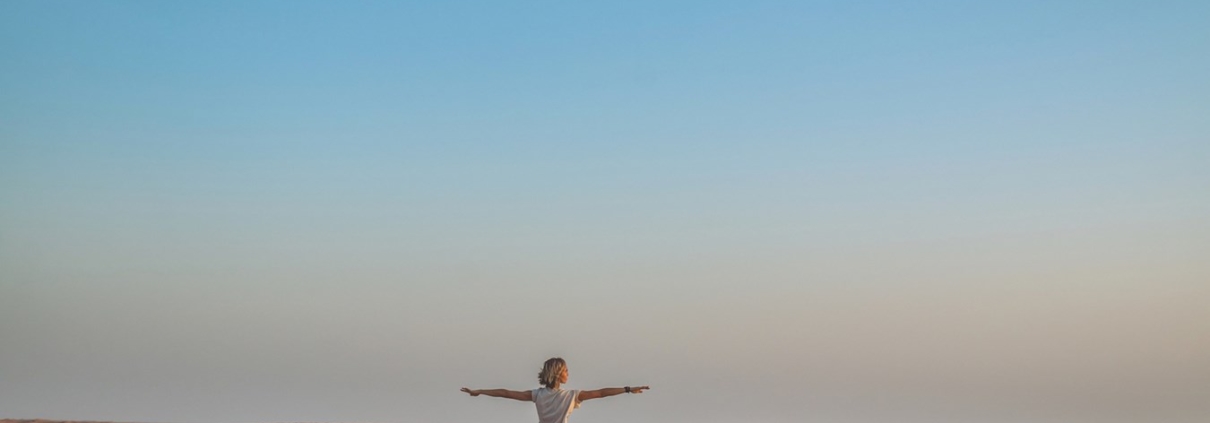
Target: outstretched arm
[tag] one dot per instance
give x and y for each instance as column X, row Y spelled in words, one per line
column 609, row 392
column 502, row 393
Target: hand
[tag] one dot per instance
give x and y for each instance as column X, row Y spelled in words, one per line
column 474, row 393
column 638, row 389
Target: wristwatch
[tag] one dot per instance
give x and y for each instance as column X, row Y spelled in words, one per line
column 627, row 389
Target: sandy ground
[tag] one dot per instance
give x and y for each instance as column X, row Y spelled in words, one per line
column 48, row 421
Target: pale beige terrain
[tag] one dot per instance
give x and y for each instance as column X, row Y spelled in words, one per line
column 49, row 421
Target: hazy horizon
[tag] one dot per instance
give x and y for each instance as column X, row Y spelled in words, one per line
column 256, row 212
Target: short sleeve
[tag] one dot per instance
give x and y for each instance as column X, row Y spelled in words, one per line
column 533, row 395
column 575, row 398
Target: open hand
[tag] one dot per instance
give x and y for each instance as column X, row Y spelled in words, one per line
column 473, row 392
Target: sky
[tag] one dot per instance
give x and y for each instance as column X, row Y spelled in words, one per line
column 933, row 211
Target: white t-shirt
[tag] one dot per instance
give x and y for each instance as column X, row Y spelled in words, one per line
column 554, row 405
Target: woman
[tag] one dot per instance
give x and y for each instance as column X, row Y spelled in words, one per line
column 554, row 404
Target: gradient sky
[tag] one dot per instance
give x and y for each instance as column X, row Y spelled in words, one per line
column 256, row 212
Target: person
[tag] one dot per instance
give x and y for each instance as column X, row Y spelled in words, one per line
column 555, row 404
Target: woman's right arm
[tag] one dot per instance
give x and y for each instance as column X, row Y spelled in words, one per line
column 501, row 393
column 609, row 392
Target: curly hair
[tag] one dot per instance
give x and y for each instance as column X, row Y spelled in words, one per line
column 549, row 376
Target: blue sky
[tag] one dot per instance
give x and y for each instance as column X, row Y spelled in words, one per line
column 310, row 211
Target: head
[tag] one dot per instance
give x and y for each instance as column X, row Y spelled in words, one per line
column 554, row 372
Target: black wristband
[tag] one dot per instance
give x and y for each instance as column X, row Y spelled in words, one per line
column 627, row 389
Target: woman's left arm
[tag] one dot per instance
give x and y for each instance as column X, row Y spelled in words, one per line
column 501, row 393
